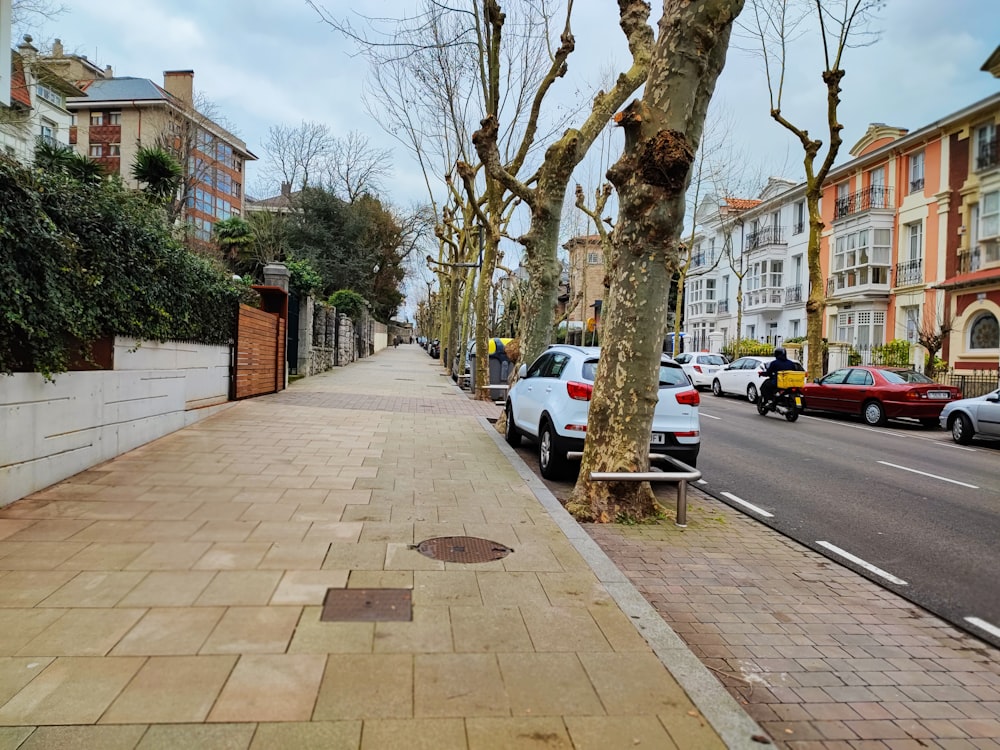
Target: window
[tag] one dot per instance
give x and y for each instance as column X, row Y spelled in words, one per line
column 701, row 297
column 911, row 319
column 859, row 377
column 793, row 329
column 114, row 149
column 49, row 95
column 776, row 273
column 876, row 179
column 96, row 118
column 47, row 132
column 800, row 218
column 915, row 240
column 986, row 146
column 984, row 332
column 862, row 258
column 989, row 215
column 917, row 172
column 95, row 150
column 593, row 259
column 115, row 118
column 861, row 329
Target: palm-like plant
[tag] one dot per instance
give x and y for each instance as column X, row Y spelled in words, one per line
column 232, row 235
column 53, row 157
column 85, row 169
column 159, row 171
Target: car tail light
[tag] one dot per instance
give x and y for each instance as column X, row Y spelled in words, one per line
column 697, row 368
column 579, row 391
column 692, row 433
column 688, row 398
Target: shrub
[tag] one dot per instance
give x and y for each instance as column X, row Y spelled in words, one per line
column 348, row 302
column 748, row 347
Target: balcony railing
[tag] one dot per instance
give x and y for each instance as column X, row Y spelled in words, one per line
column 874, row 197
column 799, row 227
column 702, row 259
column 768, row 235
column 916, row 185
column 987, row 156
column 767, row 297
column 793, row 294
column 723, row 306
column 910, row 272
column 974, row 259
column 863, row 279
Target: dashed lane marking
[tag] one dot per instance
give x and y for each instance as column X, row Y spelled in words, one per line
column 863, row 563
column 932, row 476
column 749, row 506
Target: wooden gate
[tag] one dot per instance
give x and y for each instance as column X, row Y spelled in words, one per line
column 259, row 361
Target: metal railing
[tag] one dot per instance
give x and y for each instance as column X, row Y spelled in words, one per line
column 722, row 306
column 682, row 477
column 766, row 235
column 970, row 382
column 910, row 272
column 987, row 155
column 916, row 185
column 793, row 294
column 799, row 227
column 772, row 295
column 873, row 197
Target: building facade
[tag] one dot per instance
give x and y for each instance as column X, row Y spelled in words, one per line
column 586, row 274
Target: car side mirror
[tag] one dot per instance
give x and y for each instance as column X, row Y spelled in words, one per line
column 993, row 398
column 522, row 371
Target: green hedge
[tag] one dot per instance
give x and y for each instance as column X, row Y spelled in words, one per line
column 79, row 261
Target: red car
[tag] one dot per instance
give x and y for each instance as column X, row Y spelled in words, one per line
column 879, row 394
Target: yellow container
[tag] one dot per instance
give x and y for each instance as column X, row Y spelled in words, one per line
column 791, row 379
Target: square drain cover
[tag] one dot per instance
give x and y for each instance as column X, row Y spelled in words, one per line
column 367, row 605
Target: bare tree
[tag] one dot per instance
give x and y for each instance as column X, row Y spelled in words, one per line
column 297, row 155
column 662, row 134
column 774, row 25
column 25, row 13
column 355, row 167
column 931, row 335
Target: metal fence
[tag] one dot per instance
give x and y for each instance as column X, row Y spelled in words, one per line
column 970, row 382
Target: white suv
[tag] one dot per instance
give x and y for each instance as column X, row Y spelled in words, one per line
column 700, row 366
column 551, row 401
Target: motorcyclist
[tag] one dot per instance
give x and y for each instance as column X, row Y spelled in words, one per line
column 781, row 362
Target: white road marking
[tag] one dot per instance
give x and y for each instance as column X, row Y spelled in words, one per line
column 702, row 481
column 708, row 415
column 905, row 435
column 932, row 476
column 749, row 506
column 866, row 565
column 983, row 625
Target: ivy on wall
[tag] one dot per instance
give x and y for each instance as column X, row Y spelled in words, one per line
column 82, row 259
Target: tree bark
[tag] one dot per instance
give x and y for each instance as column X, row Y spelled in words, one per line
column 662, row 133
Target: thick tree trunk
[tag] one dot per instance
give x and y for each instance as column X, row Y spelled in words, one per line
column 661, row 137
column 816, row 302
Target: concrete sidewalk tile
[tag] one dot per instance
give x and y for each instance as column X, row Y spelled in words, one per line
column 578, row 588
column 402, row 556
column 502, row 589
column 548, row 685
column 44, row 556
column 171, row 690
column 224, row 531
column 169, row 556
column 214, row 736
column 279, row 531
column 94, row 589
column 398, row 533
column 429, row 632
column 367, row 513
column 446, row 588
column 26, row 588
column 518, row 733
column 10, row 526
column 335, row 532
column 105, row 556
column 219, row 511
column 479, row 629
column 233, row 556
column 564, row 629
column 360, row 556
column 272, row 687
column 363, row 686
column 617, row 628
column 15, row 673
column 261, row 630
column 168, row 589
column 234, row 588
column 307, row 587
column 71, row 690
column 51, row 530
column 633, row 683
column 380, row 579
column 172, row 631
column 414, row 734
column 316, row 735
column 625, row 733
column 83, row 632
column 20, row 625
column 295, row 556
column 109, row 532
column 316, row 513
column 315, row 637
column 458, row 685
column 106, row 738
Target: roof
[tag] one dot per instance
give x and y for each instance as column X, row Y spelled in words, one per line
column 18, row 83
column 122, row 89
column 987, row 275
column 274, row 202
column 742, row 203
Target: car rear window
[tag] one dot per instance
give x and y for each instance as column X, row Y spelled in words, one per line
column 710, row 359
column 905, row 376
column 671, row 374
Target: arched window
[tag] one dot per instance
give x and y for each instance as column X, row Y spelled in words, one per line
column 984, row 333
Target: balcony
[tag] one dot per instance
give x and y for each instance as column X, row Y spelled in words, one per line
column 871, row 198
column 916, row 185
column 765, row 236
column 799, row 227
column 722, row 306
column 909, row 272
column 699, row 260
column 793, row 294
column 986, row 156
column 863, row 282
column 764, row 299
column 974, row 259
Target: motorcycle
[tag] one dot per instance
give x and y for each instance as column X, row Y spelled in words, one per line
column 787, row 398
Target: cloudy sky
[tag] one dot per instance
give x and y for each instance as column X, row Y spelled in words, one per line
column 272, row 62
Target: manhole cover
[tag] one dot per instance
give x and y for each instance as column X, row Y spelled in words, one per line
column 367, row 605
column 464, row 549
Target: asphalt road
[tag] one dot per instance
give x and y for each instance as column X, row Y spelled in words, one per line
column 920, row 515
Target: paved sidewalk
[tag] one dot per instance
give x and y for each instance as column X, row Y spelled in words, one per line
column 172, row 597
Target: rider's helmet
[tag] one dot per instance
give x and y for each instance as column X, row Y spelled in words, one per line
column 779, row 353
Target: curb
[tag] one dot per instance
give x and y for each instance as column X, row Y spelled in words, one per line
column 719, row 708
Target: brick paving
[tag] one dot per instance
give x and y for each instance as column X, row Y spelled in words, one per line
column 821, row 657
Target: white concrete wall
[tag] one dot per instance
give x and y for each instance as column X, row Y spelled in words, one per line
column 51, row 431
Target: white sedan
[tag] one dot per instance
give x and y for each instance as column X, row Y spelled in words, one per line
column 700, row 367
column 742, row 377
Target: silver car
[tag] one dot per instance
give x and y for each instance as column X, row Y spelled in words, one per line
column 968, row 417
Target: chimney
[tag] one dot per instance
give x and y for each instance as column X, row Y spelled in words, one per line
column 108, row 72
column 180, row 83
column 286, row 190
column 27, row 49
column 57, row 48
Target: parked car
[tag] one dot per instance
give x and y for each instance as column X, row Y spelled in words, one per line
column 434, row 349
column 742, row 377
column 550, row 404
column 878, row 394
column 968, row 417
column 700, row 366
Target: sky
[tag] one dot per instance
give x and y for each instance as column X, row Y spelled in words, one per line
column 274, row 62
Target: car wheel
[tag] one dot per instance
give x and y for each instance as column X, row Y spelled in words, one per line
column 929, row 423
column 873, row 413
column 510, row 433
column 752, row 393
column 551, row 458
column 716, row 387
column 961, row 429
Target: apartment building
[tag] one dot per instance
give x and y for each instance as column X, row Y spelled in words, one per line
column 586, row 286
column 118, row 115
column 36, row 103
